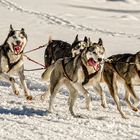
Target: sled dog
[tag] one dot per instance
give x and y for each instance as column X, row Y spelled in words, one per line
column 125, row 68
column 11, row 59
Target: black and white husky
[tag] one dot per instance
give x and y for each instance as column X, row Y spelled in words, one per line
column 11, row 59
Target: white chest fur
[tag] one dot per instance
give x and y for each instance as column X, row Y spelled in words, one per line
column 12, row 59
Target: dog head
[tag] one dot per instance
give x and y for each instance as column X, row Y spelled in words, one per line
column 16, row 40
column 94, row 55
column 79, row 45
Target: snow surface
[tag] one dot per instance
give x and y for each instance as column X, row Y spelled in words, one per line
column 115, row 21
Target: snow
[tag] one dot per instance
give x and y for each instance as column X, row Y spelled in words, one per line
column 115, row 21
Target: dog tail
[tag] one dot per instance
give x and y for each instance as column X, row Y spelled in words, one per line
column 47, row 73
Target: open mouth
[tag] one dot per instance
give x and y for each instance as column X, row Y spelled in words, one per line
column 17, row 48
column 93, row 63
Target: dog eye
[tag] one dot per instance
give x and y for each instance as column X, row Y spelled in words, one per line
column 14, row 37
column 77, row 47
column 22, row 37
column 94, row 52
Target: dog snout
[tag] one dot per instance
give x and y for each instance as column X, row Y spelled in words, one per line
column 100, row 59
column 18, row 42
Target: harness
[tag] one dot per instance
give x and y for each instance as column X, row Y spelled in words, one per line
column 85, row 71
column 87, row 75
column 11, row 65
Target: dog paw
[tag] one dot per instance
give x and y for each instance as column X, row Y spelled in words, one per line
column 16, row 92
column 135, row 109
column 124, row 117
column 104, row 105
column 29, row 97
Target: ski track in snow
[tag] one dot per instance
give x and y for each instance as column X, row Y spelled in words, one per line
column 51, row 19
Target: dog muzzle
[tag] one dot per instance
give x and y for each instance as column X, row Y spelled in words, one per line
column 17, row 48
column 94, row 64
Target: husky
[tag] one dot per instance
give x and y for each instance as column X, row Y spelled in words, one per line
column 75, row 73
column 124, row 68
column 11, row 59
column 59, row 49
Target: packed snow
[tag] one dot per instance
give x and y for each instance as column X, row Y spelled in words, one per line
column 115, row 21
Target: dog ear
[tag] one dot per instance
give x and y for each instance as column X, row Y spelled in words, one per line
column 100, row 42
column 22, row 30
column 76, row 38
column 85, row 39
column 11, row 27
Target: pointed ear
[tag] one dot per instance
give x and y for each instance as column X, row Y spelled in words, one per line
column 22, row 30
column 76, row 38
column 100, row 42
column 11, row 27
column 85, row 39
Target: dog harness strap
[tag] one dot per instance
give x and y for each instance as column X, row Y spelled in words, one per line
column 87, row 75
column 11, row 65
column 65, row 73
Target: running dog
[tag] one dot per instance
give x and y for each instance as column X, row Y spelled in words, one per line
column 125, row 68
column 11, row 59
column 59, row 49
column 77, row 72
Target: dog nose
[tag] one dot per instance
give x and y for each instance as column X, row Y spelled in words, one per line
column 99, row 59
column 18, row 42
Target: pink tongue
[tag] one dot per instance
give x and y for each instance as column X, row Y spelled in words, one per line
column 17, row 48
column 91, row 62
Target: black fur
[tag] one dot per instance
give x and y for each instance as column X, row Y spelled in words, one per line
column 56, row 49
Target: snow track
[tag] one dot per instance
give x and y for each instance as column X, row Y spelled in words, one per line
column 51, row 19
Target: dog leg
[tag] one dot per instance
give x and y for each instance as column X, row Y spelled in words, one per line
column 24, row 85
column 11, row 80
column 98, row 89
column 46, row 94
column 72, row 101
column 114, row 93
column 80, row 88
column 127, row 98
column 54, row 87
column 134, row 96
column 72, row 97
column 110, row 80
column 88, row 99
